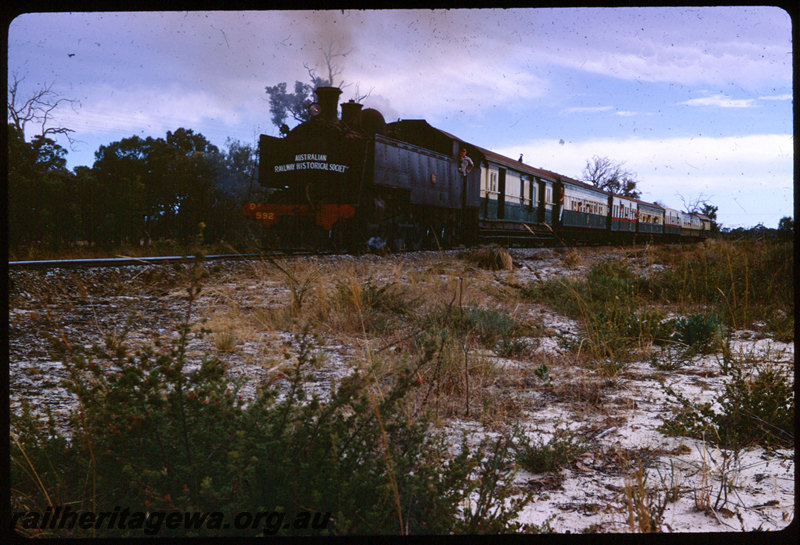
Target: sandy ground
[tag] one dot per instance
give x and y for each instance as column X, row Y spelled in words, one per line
column 709, row 490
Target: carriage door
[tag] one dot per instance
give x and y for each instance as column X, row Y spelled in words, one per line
column 541, row 201
column 501, row 198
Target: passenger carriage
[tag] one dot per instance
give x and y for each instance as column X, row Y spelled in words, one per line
column 584, row 211
column 516, row 199
column 691, row 225
column 672, row 224
column 705, row 223
column 623, row 217
column 650, row 220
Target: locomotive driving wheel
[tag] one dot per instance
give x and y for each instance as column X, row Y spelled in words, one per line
column 343, row 237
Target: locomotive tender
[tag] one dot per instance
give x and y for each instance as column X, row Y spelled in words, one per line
column 359, row 182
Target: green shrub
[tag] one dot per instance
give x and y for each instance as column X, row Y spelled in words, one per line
column 153, row 434
column 611, row 280
column 359, row 457
column 543, row 373
column 487, row 325
column 559, row 451
column 755, row 408
column 698, row 332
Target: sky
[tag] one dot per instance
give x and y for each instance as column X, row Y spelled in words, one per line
column 697, row 102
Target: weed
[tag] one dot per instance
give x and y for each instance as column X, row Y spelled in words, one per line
column 543, row 373
column 492, row 257
column 644, row 505
column 730, row 361
column 725, row 473
column 754, row 408
column 583, row 390
column 225, row 341
column 299, row 285
column 615, row 307
column 698, row 332
column 606, row 304
column 512, row 347
column 369, row 306
column 669, row 358
column 487, row 325
column 572, row 258
column 741, row 282
column 559, row 451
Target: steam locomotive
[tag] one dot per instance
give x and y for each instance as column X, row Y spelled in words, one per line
column 359, row 183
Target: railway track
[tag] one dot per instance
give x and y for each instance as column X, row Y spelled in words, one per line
column 124, row 261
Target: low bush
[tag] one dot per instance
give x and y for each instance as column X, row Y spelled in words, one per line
column 698, row 333
column 559, row 451
column 755, row 408
column 512, row 347
column 487, row 325
column 377, row 306
column 490, row 257
column 156, row 433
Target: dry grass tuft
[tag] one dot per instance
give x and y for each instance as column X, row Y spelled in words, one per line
column 572, row 258
column 494, row 258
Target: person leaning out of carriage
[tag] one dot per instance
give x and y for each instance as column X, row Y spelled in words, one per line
column 465, row 164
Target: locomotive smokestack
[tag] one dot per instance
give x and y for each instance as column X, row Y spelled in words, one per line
column 351, row 114
column 328, row 98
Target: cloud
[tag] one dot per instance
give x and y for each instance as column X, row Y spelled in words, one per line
column 152, row 112
column 720, row 101
column 724, row 154
column 582, row 109
column 426, row 62
column 750, row 46
column 777, row 97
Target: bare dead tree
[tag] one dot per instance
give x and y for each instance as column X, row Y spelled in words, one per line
column 694, row 206
column 329, row 54
column 600, row 169
column 701, row 205
column 358, row 96
column 610, row 176
column 283, row 103
column 37, row 109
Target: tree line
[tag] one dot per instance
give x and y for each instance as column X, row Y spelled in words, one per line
column 138, row 190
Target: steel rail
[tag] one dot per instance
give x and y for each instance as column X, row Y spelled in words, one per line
column 120, row 261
